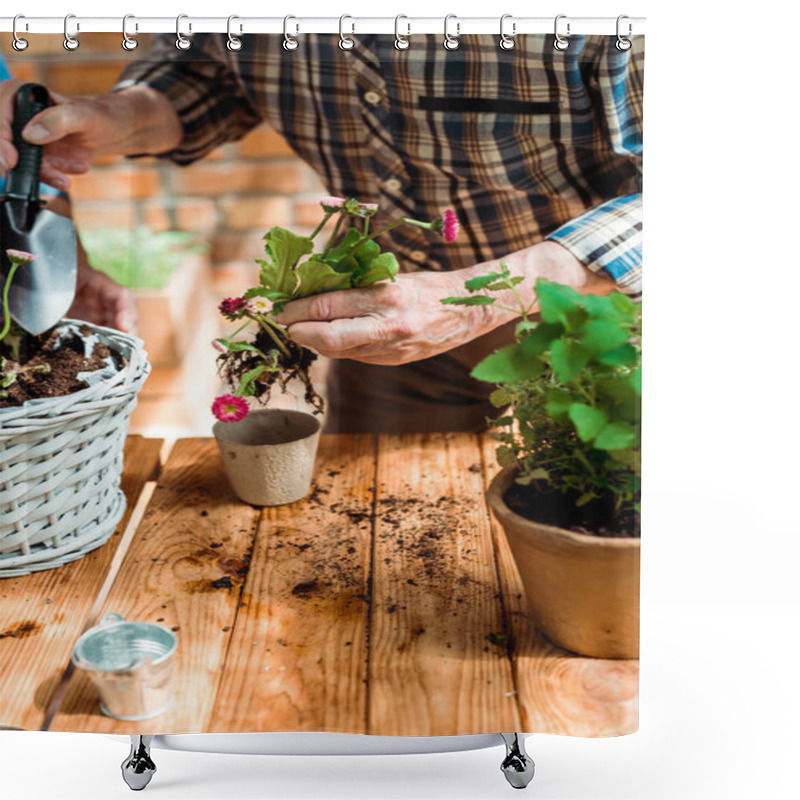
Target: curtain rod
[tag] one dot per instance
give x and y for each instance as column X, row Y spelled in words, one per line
column 242, row 26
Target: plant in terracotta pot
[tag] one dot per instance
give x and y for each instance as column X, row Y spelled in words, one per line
column 65, row 399
column 269, row 453
column 568, row 495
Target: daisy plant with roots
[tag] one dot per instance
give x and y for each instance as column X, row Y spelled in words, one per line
column 294, row 267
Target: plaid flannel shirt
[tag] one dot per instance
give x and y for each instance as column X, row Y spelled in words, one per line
column 524, row 145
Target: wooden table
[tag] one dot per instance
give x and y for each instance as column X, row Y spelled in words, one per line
column 386, row 602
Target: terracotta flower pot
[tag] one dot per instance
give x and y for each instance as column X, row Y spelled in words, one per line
column 269, row 455
column 583, row 590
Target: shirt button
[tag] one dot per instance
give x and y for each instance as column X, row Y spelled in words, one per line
column 419, row 256
column 373, row 98
column 393, row 185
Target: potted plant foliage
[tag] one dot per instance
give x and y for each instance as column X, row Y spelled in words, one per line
column 269, row 453
column 569, row 491
column 65, row 399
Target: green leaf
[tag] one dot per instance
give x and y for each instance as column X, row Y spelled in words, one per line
column 625, row 356
column 525, row 326
column 381, row 268
column 601, row 336
column 348, row 242
column 284, row 250
column 508, row 365
column 315, row 277
column 500, row 398
column 588, row 421
column 558, row 401
column 238, row 347
column 475, row 300
column 271, row 294
column 624, row 304
column 559, row 303
column 506, row 283
column 542, row 336
column 538, row 474
column 616, row 436
column 505, row 455
column 568, row 359
column 585, row 498
column 8, row 379
column 246, row 388
column 481, row 281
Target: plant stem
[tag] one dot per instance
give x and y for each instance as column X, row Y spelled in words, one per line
column 333, row 235
column 6, row 312
column 328, row 215
column 270, row 327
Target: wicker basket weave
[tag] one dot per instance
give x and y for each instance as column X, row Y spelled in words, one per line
column 61, row 464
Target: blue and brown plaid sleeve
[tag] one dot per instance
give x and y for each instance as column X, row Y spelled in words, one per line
column 608, row 236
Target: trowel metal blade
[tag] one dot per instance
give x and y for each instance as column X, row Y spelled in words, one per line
column 41, row 292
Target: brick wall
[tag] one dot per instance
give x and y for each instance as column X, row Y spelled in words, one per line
column 229, row 199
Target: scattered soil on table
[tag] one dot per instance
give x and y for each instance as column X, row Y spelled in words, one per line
column 21, row 630
column 540, row 503
column 50, row 366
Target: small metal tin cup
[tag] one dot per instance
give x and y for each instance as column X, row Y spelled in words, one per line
column 130, row 663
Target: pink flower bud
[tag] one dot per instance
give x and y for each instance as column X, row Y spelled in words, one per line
column 230, row 408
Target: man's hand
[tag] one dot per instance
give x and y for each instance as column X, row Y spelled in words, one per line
column 395, row 323
column 100, row 300
column 389, row 323
column 136, row 120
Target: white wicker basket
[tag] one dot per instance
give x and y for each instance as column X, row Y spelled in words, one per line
column 61, row 464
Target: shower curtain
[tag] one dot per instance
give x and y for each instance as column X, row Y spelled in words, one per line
column 425, row 263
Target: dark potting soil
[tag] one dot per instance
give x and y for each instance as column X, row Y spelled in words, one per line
column 540, row 503
column 50, row 366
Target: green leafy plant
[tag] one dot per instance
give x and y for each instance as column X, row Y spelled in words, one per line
column 572, row 382
column 350, row 259
column 140, row 258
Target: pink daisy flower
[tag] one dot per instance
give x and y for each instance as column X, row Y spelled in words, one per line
column 366, row 209
column 20, row 256
column 332, row 203
column 231, row 307
column 258, row 305
column 450, row 225
column 229, row 408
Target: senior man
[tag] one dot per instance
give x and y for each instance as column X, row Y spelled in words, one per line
column 537, row 151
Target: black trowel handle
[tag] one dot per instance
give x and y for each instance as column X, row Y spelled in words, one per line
column 22, row 182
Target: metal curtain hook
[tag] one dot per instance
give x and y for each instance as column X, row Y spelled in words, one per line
column 70, row 42
column 128, row 42
column 181, row 42
column 451, row 42
column 345, row 42
column 19, row 43
column 561, row 42
column 507, row 42
column 234, row 44
column 401, row 41
column 289, row 43
column 623, row 44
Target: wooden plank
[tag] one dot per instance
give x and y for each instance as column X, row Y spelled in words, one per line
column 558, row 691
column 185, row 569
column 438, row 659
column 297, row 659
column 44, row 613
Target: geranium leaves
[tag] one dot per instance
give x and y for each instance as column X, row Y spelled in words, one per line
column 354, row 262
column 572, row 386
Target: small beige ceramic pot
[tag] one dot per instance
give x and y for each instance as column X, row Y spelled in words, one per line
column 583, row 590
column 269, row 455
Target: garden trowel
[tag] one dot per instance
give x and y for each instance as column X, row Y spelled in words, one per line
column 41, row 292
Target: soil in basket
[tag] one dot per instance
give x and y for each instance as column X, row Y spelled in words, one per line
column 539, row 503
column 65, row 360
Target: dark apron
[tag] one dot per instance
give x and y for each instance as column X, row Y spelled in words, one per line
column 434, row 394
